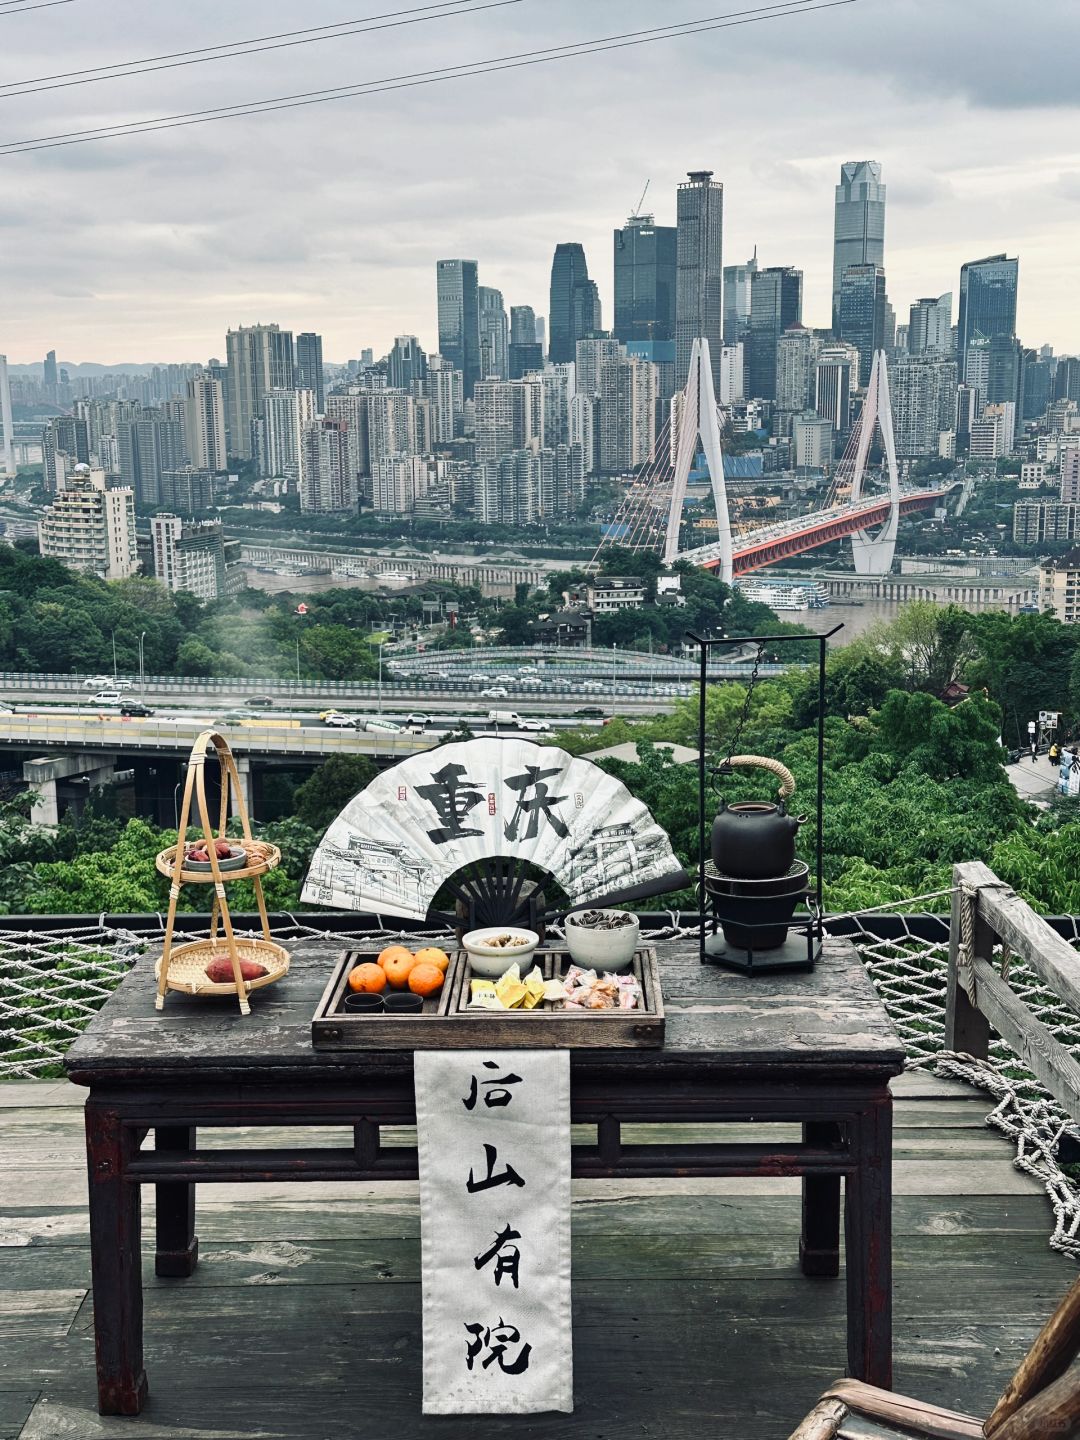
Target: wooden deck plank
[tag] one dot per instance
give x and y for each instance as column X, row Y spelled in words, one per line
column 688, row 1303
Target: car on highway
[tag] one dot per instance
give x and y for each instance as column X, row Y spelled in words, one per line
column 135, row 710
column 530, row 682
column 417, row 719
column 593, row 687
column 506, row 679
column 96, row 682
column 260, row 702
column 337, row 720
column 477, row 679
column 589, row 712
column 534, row 725
column 494, row 692
column 108, row 697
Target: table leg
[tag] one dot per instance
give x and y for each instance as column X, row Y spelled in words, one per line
column 177, row 1251
column 116, row 1263
column 819, row 1243
column 868, row 1239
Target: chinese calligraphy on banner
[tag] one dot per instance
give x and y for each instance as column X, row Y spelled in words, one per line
column 421, row 821
column 494, row 1138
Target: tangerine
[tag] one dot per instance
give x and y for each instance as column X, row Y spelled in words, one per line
column 394, row 952
column 367, row 979
column 425, row 979
column 432, row 955
column 398, row 969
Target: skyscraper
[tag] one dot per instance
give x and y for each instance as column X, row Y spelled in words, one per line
column 700, row 283
column 457, row 286
column 861, row 313
column 328, row 468
column 575, row 302
column 309, row 367
column 859, row 224
column 737, row 283
column 522, row 325
column 796, row 358
column 775, row 304
column 494, row 333
column 260, row 359
column 923, row 393
column 987, row 305
column 646, row 269
column 407, row 363
column 930, row 328
column 49, row 372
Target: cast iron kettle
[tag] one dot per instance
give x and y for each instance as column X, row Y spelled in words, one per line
column 755, row 840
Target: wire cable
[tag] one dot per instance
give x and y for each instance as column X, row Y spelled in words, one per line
column 40, row 5
column 288, row 39
column 423, row 77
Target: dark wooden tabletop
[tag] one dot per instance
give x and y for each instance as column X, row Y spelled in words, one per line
column 830, row 1019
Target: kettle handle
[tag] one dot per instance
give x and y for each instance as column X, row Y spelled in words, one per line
column 763, row 762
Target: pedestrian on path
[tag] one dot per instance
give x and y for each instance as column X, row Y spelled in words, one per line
column 1054, row 754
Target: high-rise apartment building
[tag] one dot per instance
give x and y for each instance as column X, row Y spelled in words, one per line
column 738, row 280
column 509, row 416
column 91, row 528
column 987, row 306
column 65, row 443
column 646, row 271
column 589, row 358
column 699, row 297
column 443, row 388
column 796, row 358
column 775, row 305
column 859, row 223
column 328, row 468
column 861, row 315
column 922, row 390
column 457, row 289
column 732, row 374
column 627, row 413
column 398, row 481
column 286, row 415
column 260, row 359
column 309, row 367
column 148, row 445
column 7, row 426
column 189, row 557
column 187, row 491
column 930, row 326
column 575, row 302
column 494, row 334
column 204, row 423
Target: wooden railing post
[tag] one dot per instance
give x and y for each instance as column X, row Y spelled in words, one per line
column 966, row 1029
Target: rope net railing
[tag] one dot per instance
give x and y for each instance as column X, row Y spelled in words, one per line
column 53, row 982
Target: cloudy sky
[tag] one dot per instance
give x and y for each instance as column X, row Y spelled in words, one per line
column 331, row 218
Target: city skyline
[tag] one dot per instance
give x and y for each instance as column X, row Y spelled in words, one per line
column 210, row 245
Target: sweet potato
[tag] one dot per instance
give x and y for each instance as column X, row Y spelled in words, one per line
column 221, row 972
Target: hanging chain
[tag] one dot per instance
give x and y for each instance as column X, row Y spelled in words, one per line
column 725, row 768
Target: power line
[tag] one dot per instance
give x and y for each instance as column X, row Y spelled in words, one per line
column 423, row 77
column 287, row 39
column 40, row 5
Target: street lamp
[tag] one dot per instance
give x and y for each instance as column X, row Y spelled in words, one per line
column 114, row 675
column 614, row 657
column 142, row 666
column 298, row 659
column 381, row 644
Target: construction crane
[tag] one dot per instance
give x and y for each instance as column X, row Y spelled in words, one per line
column 637, row 208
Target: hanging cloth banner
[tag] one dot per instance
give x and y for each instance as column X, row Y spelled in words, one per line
column 493, row 1129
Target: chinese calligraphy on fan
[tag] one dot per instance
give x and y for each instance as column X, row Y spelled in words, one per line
column 492, row 1340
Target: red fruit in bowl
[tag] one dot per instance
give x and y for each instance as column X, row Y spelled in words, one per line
column 220, row 970
column 223, row 848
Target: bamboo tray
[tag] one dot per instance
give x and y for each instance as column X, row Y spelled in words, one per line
column 261, row 857
column 187, row 965
column 445, row 1023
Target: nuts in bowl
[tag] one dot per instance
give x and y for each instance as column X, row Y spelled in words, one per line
column 493, row 950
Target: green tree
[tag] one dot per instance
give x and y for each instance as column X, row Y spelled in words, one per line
column 322, row 797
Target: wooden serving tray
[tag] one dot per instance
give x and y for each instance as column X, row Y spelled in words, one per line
column 445, row 1023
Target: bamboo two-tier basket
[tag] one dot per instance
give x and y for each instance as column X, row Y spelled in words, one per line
column 183, row 967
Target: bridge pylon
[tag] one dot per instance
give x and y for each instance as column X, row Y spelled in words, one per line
column 700, row 420
column 873, row 554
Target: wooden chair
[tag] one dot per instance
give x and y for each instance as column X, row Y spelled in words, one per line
column 1042, row 1400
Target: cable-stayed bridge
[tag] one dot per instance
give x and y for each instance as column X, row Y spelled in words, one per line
column 651, row 515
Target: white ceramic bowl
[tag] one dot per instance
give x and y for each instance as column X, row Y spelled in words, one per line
column 490, row 961
column 603, row 950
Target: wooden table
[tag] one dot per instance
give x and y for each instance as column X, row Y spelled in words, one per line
column 816, row 1049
